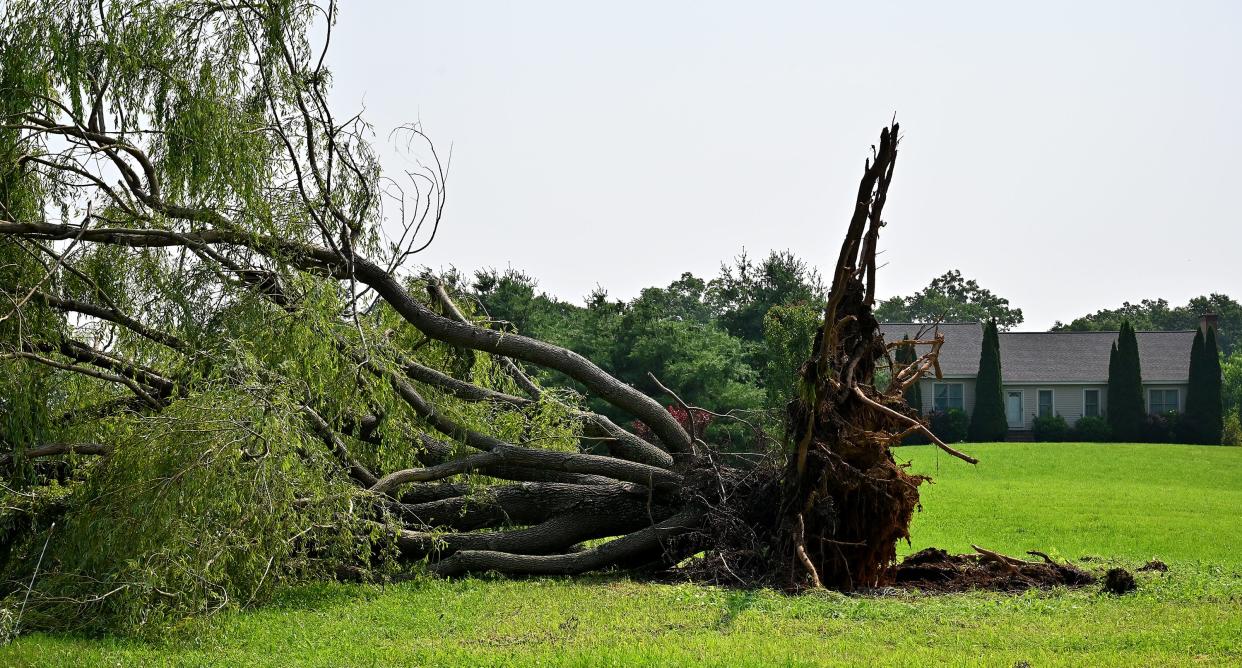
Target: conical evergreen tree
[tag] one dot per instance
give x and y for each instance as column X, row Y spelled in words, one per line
column 987, row 421
column 1112, row 373
column 1213, row 407
column 914, row 394
column 905, row 356
column 1194, row 421
column 1125, row 387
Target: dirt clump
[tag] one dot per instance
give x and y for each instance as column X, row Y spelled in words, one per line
column 1155, row 565
column 935, row 570
column 1119, row 581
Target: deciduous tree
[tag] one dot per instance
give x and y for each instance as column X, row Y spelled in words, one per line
column 950, row 298
column 221, row 372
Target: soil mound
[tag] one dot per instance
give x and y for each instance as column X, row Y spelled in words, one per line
column 1119, row 581
column 935, row 570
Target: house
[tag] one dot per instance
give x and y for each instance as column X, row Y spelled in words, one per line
column 1049, row 373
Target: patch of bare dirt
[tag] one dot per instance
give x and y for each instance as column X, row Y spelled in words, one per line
column 1119, row 581
column 935, row 570
column 1155, row 565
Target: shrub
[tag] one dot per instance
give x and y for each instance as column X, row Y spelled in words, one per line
column 950, row 426
column 1167, row 428
column 1050, row 428
column 1232, row 433
column 1092, row 430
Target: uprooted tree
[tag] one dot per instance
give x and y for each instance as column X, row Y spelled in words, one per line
column 217, row 372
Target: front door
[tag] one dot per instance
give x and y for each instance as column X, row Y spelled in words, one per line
column 1013, row 408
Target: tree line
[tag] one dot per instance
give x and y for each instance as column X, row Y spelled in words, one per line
column 732, row 342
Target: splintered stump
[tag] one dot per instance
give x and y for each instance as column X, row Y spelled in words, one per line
column 845, row 501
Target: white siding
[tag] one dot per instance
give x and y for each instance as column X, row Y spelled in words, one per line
column 1067, row 399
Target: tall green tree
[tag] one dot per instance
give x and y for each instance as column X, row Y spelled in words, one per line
column 1125, row 386
column 1213, row 409
column 1159, row 315
column 987, row 421
column 1194, row 419
column 744, row 293
column 950, row 298
column 906, row 355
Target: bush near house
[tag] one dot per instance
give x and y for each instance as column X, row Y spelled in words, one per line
column 1092, row 430
column 950, row 426
column 1167, row 428
column 1050, row 428
column 1232, row 433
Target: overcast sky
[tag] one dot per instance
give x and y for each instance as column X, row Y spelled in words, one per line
column 1067, row 155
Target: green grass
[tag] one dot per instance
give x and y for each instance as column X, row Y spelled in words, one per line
column 1172, row 502
column 1125, row 502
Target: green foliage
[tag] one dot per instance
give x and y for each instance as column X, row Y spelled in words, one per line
column 1195, row 399
column 788, row 334
column 1231, row 383
column 1167, row 428
column 1157, row 315
column 1049, row 428
column 1231, row 434
column 733, row 343
column 951, row 426
column 1213, row 400
column 197, row 509
column 742, row 295
column 906, row 355
column 950, row 298
column 988, row 421
column 1202, row 422
column 1092, row 429
column 1125, row 387
column 220, row 491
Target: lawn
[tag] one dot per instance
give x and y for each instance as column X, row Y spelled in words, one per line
column 1120, row 504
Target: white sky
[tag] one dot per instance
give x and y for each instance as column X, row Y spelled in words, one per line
column 1067, row 155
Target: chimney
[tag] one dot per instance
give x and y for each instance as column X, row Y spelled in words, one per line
column 1206, row 321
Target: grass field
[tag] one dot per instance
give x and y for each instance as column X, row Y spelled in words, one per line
column 1120, row 504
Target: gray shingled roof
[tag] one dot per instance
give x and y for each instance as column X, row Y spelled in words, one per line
column 959, row 356
column 1062, row 357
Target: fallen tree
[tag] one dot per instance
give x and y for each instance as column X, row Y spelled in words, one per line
column 208, row 323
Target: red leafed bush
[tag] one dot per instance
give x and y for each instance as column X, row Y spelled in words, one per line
column 702, row 418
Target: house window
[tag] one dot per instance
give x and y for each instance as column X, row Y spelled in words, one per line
column 1045, row 403
column 1160, row 402
column 1091, row 403
column 948, row 395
